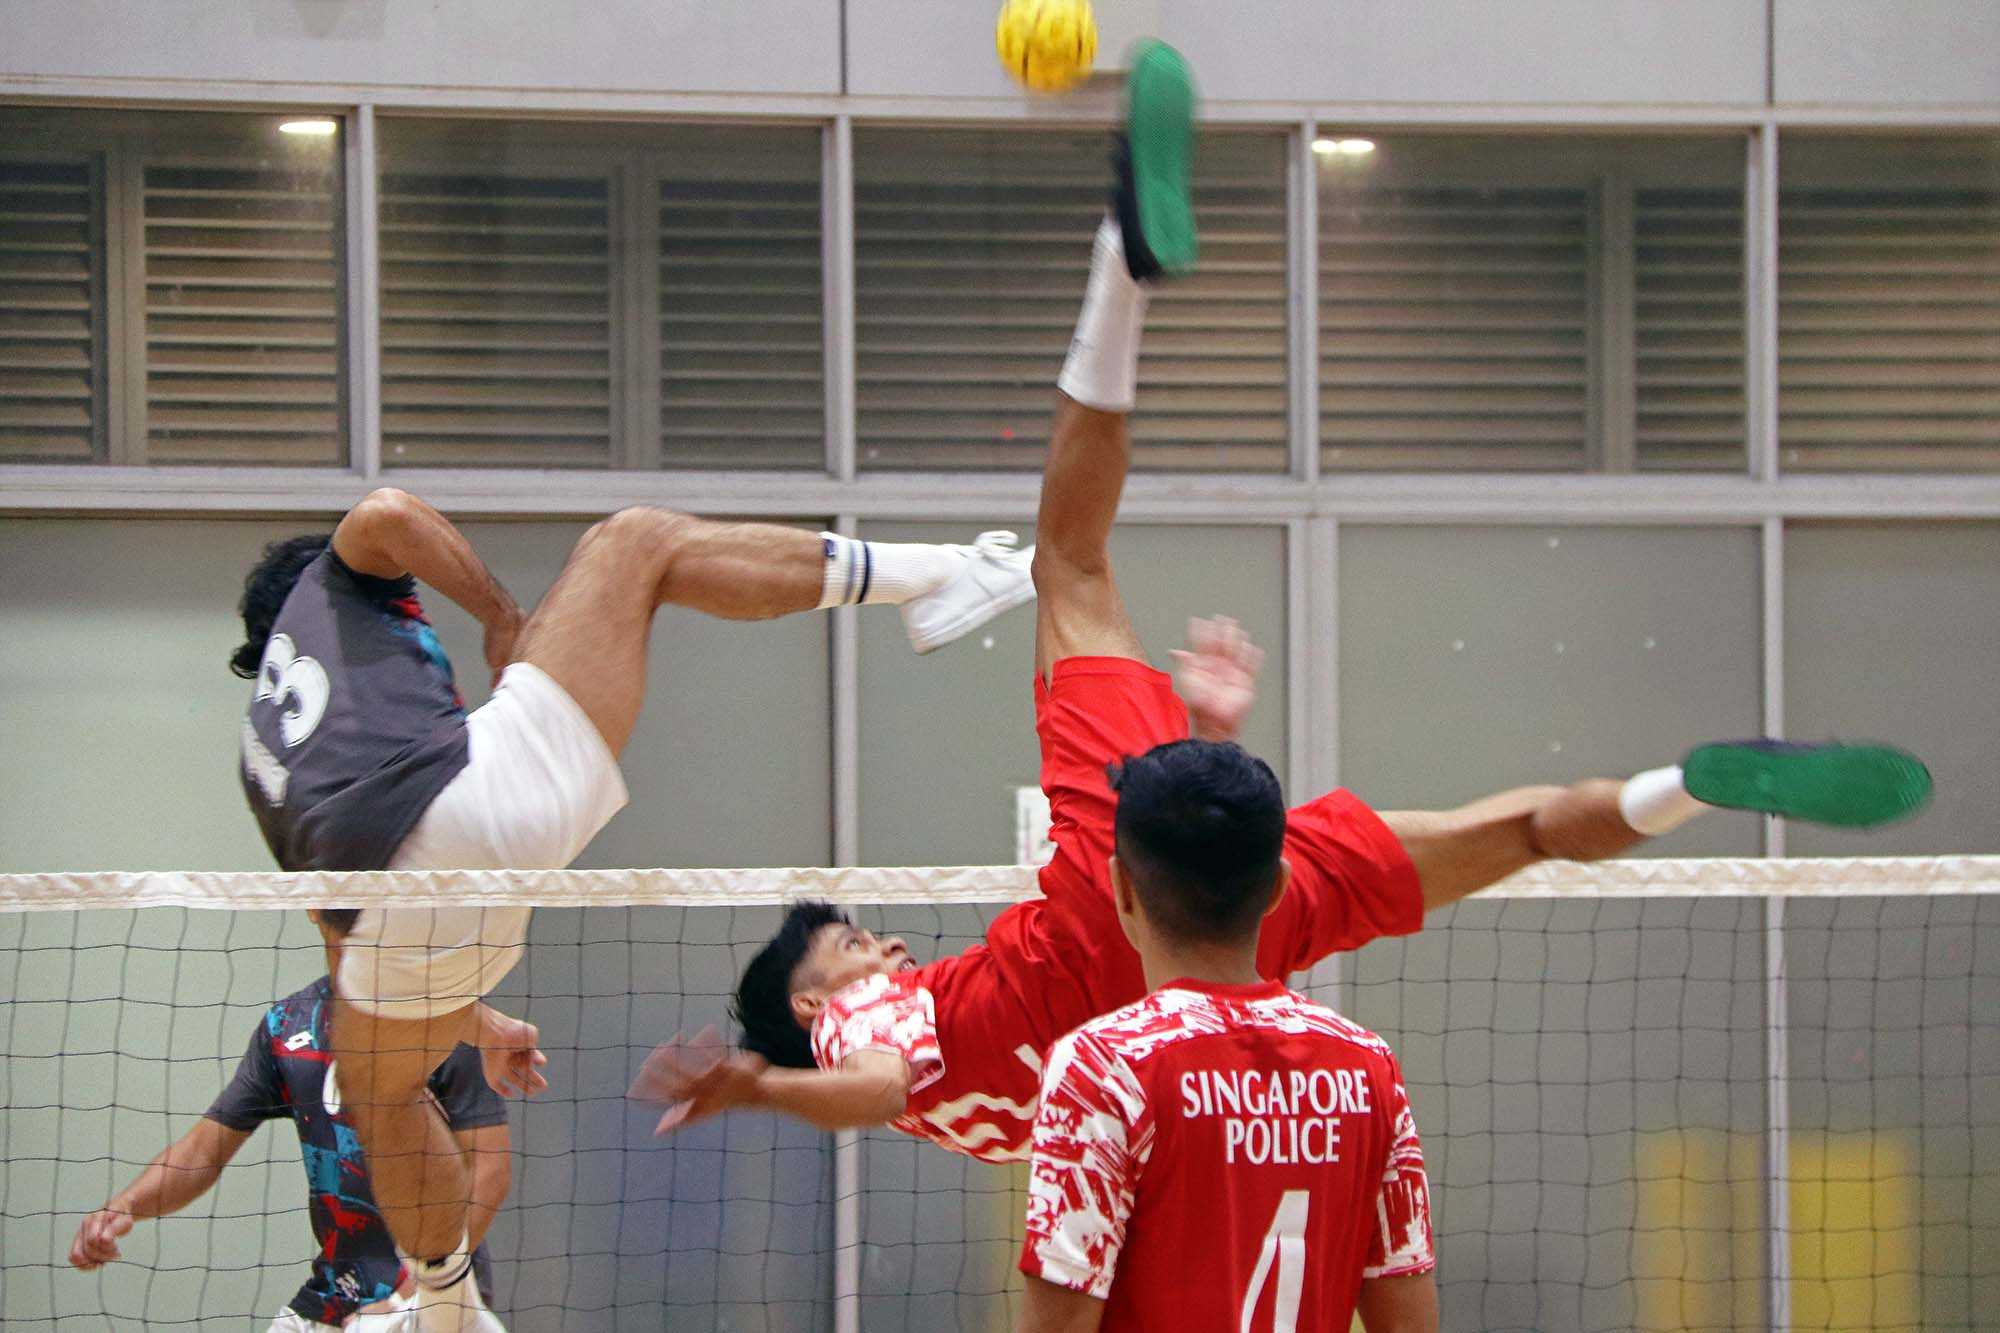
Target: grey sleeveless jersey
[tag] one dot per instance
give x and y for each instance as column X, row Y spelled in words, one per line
column 354, row 726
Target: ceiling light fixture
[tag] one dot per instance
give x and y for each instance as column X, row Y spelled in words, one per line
column 318, row 127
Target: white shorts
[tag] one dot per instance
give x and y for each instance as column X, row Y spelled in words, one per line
column 537, row 786
column 400, row 1317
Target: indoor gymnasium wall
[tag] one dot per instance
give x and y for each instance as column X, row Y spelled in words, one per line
column 1460, row 657
column 946, row 741
column 1856, row 52
column 1309, row 50
column 1595, row 52
column 745, row 46
column 114, row 641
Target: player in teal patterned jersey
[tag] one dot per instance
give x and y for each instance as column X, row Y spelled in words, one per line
column 287, row 1071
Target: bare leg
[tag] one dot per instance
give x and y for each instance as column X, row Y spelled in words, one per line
column 590, row 632
column 1457, row 852
column 422, row 1182
column 1080, row 613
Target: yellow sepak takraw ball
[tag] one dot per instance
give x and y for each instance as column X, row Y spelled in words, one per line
column 1049, row 45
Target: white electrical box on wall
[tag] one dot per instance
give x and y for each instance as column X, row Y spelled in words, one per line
column 1031, row 827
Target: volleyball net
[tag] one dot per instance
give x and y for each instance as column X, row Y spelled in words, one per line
column 1653, row 1094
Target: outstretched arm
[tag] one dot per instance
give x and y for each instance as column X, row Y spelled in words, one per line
column 182, row 1173
column 392, row 533
column 869, row 1089
column 701, row 1078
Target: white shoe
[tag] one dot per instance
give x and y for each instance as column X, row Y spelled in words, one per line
column 995, row 578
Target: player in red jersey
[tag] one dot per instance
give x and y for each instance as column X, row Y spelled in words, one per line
column 1222, row 1115
column 845, row 1030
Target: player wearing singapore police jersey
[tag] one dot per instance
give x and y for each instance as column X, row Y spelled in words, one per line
column 1222, row 1116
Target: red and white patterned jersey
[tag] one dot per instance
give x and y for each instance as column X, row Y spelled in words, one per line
column 982, row 1101
column 1225, row 1157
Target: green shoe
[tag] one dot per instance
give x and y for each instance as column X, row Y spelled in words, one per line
column 1851, row 786
column 1154, row 198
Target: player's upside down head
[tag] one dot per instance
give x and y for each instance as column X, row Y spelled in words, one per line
column 817, row 952
column 1199, row 830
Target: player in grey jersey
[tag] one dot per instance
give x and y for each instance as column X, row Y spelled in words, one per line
column 357, row 754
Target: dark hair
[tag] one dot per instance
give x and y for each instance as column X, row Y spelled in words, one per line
column 1200, row 827
column 764, row 997
column 264, row 592
column 339, row 920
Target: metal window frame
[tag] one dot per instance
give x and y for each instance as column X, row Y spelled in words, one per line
column 636, row 442
column 1302, row 255
column 1309, row 507
column 1612, row 382
column 845, row 674
column 837, row 269
column 125, row 302
column 1777, row 1043
column 363, row 322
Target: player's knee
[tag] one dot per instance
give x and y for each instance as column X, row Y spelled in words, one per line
column 388, row 501
column 641, row 533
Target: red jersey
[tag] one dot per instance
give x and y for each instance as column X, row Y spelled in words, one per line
column 1225, row 1157
column 974, row 1029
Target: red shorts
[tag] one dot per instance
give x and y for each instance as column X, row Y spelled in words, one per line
column 1351, row 880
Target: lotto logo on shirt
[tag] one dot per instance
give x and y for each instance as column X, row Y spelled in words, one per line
column 1279, row 1117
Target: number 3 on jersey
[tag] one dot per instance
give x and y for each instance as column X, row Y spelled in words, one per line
column 1284, row 1242
column 298, row 685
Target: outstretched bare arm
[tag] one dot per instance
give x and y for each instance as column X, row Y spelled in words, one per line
column 182, row 1173
column 701, row 1078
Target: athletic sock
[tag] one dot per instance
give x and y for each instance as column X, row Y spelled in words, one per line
column 438, row 1274
column 1103, row 366
column 859, row 573
column 1657, row 801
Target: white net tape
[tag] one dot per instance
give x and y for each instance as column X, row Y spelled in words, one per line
column 1871, row 876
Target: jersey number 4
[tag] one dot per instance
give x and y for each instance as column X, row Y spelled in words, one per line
column 1284, row 1244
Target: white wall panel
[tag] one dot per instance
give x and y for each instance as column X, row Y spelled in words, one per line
column 1474, row 659
column 925, row 48
column 756, row 46
column 1912, row 51
column 1548, row 51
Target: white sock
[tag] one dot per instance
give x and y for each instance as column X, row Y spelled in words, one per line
column 1103, row 366
column 862, row 573
column 437, row 1274
column 1656, row 801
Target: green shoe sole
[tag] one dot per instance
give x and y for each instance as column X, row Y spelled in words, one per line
column 1849, row 786
column 1159, row 124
